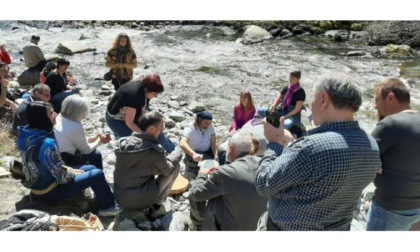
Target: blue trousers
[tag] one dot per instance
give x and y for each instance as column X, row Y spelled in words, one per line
column 121, row 129
column 93, row 178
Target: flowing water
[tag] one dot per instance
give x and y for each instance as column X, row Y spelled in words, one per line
column 197, row 63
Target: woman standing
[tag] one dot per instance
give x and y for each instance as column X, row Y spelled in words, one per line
column 44, row 171
column 122, row 60
column 242, row 112
column 129, row 103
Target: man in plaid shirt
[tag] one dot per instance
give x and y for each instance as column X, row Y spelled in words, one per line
column 315, row 182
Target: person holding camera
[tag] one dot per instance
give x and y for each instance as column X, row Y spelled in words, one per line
column 291, row 99
column 315, row 182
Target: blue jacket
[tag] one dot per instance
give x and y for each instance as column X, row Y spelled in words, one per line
column 42, row 164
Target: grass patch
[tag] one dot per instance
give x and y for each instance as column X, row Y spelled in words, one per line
column 7, row 142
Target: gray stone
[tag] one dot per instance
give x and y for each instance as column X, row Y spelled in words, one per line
column 255, row 34
column 173, row 104
column 111, row 162
column 89, row 35
column 105, row 87
column 195, row 106
column 73, row 47
column 186, row 194
column 105, row 92
column 176, row 116
column 169, row 123
column 392, row 50
column 183, row 103
column 338, row 35
column 368, row 192
column 94, row 101
column 174, row 97
column 227, row 31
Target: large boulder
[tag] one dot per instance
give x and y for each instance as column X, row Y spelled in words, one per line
column 394, row 32
column 73, row 47
column 255, row 34
column 195, row 106
column 392, row 51
column 29, row 77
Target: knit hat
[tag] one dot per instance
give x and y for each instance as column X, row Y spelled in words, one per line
column 205, row 115
column 50, row 65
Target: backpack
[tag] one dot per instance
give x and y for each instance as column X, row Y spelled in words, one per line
column 28, row 220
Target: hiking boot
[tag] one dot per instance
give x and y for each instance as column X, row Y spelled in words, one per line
column 156, row 213
column 109, row 212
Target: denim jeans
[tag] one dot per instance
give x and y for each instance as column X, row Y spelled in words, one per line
column 57, row 99
column 94, row 158
column 93, row 178
column 380, row 219
column 121, row 129
column 288, row 123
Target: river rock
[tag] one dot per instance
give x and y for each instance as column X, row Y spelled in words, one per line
column 73, row 47
column 394, row 32
column 105, row 87
column 355, row 53
column 338, row 35
column 195, row 106
column 392, row 50
column 227, row 31
column 89, row 35
column 183, row 103
column 169, row 123
column 176, row 116
column 179, row 222
column 255, row 34
column 173, row 104
column 174, row 97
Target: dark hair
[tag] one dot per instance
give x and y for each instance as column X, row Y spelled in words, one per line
column 152, row 83
column 63, row 61
column 37, row 116
column 152, row 118
column 395, row 86
column 295, row 73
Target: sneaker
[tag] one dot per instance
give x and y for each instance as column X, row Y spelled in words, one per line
column 109, row 212
column 161, row 211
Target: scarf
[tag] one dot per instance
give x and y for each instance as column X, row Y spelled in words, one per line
column 288, row 98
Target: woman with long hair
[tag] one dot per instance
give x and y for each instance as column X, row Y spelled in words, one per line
column 121, row 59
column 243, row 111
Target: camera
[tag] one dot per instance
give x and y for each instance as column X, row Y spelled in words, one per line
column 273, row 118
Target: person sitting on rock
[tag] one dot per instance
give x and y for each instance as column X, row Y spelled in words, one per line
column 59, row 85
column 198, row 143
column 144, row 173
column 47, row 176
column 33, row 56
column 122, row 59
column 40, row 92
column 75, row 148
column 130, row 102
column 242, row 112
column 291, row 98
column 233, row 201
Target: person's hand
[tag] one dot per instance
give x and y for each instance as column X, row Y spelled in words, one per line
column 277, row 135
column 105, row 138
column 77, row 171
column 197, row 157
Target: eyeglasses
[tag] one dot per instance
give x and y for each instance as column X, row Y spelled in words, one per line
column 46, row 95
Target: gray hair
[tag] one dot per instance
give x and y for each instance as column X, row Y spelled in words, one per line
column 242, row 143
column 74, row 107
column 40, row 87
column 342, row 90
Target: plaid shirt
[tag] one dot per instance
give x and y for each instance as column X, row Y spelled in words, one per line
column 315, row 183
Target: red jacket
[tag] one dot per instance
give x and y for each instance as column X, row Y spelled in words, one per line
column 4, row 57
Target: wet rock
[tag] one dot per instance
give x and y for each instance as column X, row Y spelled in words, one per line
column 227, row 31
column 285, row 32
column 255, row 34
column 338, row 35
column 180, row 221
column 275, row 32
column 396, row 51
column 73, row 47
column 174, row 97
column 105, row 92
column 105, row 87
column 355, row 53
column 89, row 35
